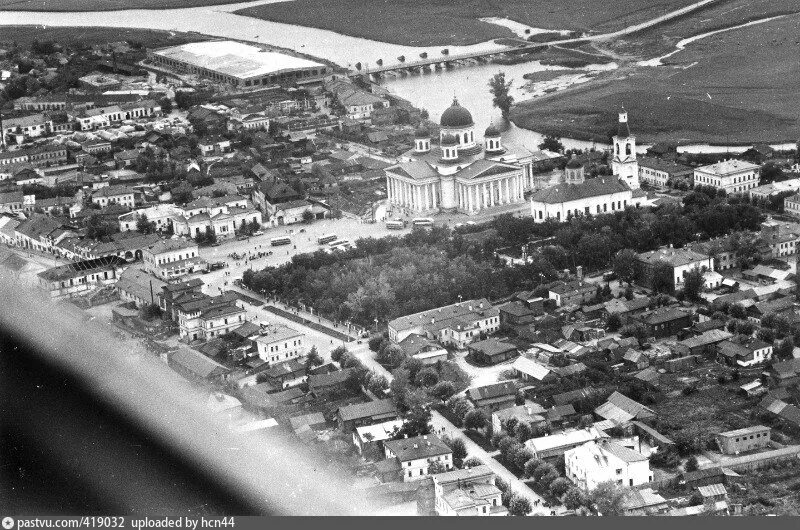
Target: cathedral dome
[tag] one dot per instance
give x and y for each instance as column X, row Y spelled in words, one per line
column 448, row 139
column 491, row 132
column 456, row 116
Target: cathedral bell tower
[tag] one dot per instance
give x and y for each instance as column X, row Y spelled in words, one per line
column 623, row 163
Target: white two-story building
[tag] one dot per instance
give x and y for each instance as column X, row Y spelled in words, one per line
column 277, row 344
column 457, row 324
column 605, row 460
column 415, row 455
column 733, row 176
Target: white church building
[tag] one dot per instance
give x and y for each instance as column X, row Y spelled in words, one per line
column 458, row 174
column 577, row 195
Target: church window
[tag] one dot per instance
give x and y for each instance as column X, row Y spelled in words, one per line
column 617, row 148
column 628, row 149
column 466, row 136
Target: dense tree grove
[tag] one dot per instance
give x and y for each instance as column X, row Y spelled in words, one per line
column 394, row 276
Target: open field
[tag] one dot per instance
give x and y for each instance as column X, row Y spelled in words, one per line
column 737, row 86
column 444, row 22
column 718, row 15
column 104, row 5
column 24, row 35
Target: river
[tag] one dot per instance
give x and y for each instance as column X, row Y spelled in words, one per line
column 433, row 91
column 220, row 21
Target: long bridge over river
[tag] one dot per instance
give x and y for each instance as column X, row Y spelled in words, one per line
column 520, row 47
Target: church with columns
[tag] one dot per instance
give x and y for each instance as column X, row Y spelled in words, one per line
column 459, row 174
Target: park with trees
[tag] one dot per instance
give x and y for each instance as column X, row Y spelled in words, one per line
column 389, row 277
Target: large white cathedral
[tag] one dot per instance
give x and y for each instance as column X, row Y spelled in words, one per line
column 578, row 196
column 459, row 174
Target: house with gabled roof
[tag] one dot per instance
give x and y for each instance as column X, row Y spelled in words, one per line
column 784, row 373
column 556, row 444
column 492, row 351
column 665, row 321
column 605, row 460
column 531, row 371
column 327, row 384
column 680, row 260
column 79, row 277
column 744, row 351
column 493, row 397
column 415, row 455
column 622, row 409
column 351, row 416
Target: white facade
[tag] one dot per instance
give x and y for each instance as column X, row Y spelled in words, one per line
column 26, row 127
column 279, row 344
column 415, row 455
column 623, row 163
column 760, row 355
column 654, row 176
column 733, row 176
column 600, row 204
column 121, row 197
column 791, row 205
column 171, row 258
column 214, row 326
column 456, row 175
column 159, row 215
column 606, row 461
column 451, row 192
column 682, row 261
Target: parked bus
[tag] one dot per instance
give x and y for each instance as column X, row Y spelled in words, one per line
column 422, row 221
column 327, row 238
column 277, row 241
column 340, row 243
column 394, row 225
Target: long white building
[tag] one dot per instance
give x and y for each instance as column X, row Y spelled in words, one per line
column 578, row 196
column 733, row 176
column 458, row 174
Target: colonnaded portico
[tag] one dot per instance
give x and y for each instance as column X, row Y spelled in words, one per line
column 458, row 174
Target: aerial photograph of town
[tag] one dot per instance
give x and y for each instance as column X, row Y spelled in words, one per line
column 398, row 258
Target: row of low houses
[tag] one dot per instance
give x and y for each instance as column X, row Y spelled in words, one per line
column 32, row 126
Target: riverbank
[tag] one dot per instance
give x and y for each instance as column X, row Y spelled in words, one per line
column 731, row 87
column 55, row 6
column 71, row 35
column 442, row 23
